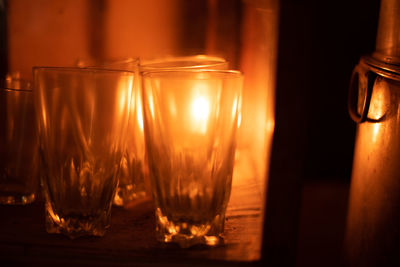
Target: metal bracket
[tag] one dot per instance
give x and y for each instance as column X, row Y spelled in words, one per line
column 355, row 87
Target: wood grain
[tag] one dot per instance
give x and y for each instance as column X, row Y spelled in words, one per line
column 131, row 239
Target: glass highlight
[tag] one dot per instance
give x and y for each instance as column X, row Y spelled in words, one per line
column 184, row 62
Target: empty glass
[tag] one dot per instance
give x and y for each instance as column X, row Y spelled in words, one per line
column 190, row 122
column 18, row 143
column 83, row 121
column 131, row 178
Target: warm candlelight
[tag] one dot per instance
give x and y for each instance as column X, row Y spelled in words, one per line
column 200, row 109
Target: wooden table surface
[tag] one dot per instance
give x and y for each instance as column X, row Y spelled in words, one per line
column 131, row 238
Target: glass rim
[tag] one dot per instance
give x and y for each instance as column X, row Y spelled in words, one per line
column 202, row 61
column 25, row 86
column 80, row 69
column 15, row 90
column 110, row 62
column 176, row 72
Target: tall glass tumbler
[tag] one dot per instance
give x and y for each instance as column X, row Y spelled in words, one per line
column 190, row 121
column 132, row 184
column 19, row 178
column 83, row 119
column 131, row 179
column 136, row 181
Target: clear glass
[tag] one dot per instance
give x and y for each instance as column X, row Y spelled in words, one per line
column 131, row 185
column 190, row 121
column 18, row 143
column 135, row 164
column 83, row 121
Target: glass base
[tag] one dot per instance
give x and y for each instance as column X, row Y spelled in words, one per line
column 75, row 225
column 126, row 194
column 189, row 234
column 17, row 199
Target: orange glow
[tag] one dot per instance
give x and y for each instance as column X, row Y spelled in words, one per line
column 375, row 132
column 237, row 106
column 151, row 103
column 380, row 100
column 122, row 102
column 136, row 108
column 124, row 96
column 57, row 33
column 139, row 114
column 200, row 111
column 43, row 110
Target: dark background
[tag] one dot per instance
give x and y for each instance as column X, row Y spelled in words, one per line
column 320, row 42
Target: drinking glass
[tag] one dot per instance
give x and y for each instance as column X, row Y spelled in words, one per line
column 190, row 122
column 18, row 143
column 132, row 182
column 131, row 178
column 83, row 119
